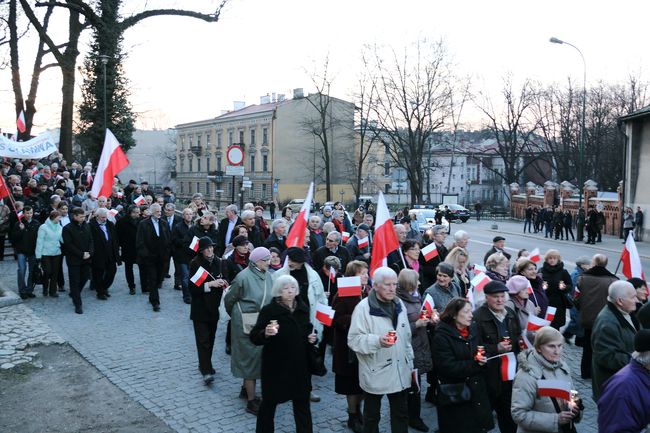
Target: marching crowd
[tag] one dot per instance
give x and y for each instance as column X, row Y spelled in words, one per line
column 484, row 338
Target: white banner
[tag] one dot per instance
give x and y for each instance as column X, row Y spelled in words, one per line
column 38, row 147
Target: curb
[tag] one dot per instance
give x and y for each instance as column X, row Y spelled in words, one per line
column 9, row 298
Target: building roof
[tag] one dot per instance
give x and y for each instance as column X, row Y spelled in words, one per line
column 251, row 109
column 643, row 112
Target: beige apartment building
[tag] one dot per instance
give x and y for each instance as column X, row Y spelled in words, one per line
column 282, row 152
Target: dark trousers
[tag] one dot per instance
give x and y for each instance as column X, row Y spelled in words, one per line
column 501, row 405
column 128, row 273
column 528, row 223
column 559, row 233
column 204, row 333
column 178, row 276
column 103, row 277
column 78, row 275
column 585, row 362
column 51, row 265
column 569, row 231
column 414, row 403
column 626, row 233
column 60, row 279
column 591, row 235
column 154, row 276
column 2, row 246
column 599, row 235
column 548, row 229
column 398, row 412
column 301, row 416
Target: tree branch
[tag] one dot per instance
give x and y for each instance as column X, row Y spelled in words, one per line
column 210, row 18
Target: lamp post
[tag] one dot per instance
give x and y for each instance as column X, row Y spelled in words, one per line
column 582, row 125
column 104, row 59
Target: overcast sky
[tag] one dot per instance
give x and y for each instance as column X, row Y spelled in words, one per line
column 183, row 70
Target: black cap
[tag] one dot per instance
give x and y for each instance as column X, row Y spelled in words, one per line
column 363, row 227
column 642, row 340
column 296, row 254
column 494, row 287
column 205, row 242
column 498, row 238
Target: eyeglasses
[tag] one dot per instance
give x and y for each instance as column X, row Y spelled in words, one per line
column 332, row 240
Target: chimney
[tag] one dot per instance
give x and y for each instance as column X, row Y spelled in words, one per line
column 265, row 99
column 298, row 93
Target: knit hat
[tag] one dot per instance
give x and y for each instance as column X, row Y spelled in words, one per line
column 516, row 284
column 493, row 287
column 642, row 341
column 259, row 253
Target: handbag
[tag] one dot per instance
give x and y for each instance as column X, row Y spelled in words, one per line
column 453, row 393
column 37, row 276
column 315, row 361
column 249, row 320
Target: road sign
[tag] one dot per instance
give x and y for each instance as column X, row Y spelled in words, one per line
column 218, row 191
column 234, row 170
column 235, row 155
column 398, row 186
column 247, row 184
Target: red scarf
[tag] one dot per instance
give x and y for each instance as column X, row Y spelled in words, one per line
column 240, row 259
column 464, row 332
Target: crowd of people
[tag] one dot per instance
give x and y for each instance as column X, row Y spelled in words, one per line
column 484, row 338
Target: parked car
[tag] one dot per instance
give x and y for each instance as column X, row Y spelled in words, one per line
column 296, row 204
column 427, row 218
column 327, row 203
column 458, row 212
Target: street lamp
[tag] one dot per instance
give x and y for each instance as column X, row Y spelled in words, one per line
column 582, row 126
column 104, row 59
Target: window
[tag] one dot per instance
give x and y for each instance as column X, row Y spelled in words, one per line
column 182, row 165
column 198, row 187
column 198, row 164
column 241, row 136
column 207, row 163
column 189, row 186
column 182, row 142
column 265, row 135
column 190, row 138
column 230, row 138
column 218, row 162
column 252, row 137
column 263, row 191
column 252, row 159
column 182, row 184
column 207, row 189
column 218, row 139
column 190, row 170
column 207, row 139
column 386, row 168
column 198, row 139
column 265, row 163
column 386, row 188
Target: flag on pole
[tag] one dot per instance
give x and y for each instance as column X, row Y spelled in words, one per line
column 385, row 237
column 200, row 276
column 362, row 243
column 428, row 304
column 349, row 286
column 139, row 201
column 194, row 245
column 550, row 313
column 535, row 256
column 345, row 236
column 20, row 215
column 480, row 280
column 21, row 124
column 508, row 366
column 324, row 314
column 296, row 236
column 332, row 274
column 554, row 388
column 631, row 261
column 4, row 191
column 430, row 251
column 111, row 162
column 535, row 323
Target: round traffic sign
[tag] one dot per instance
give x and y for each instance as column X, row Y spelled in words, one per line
column 235, row 155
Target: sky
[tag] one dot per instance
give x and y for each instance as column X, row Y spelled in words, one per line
column 183, row 70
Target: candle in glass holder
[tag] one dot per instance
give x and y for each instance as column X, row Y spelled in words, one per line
column 392, row 337
column 544, row 285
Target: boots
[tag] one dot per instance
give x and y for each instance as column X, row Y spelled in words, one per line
column 415, row 421
column 355, row 422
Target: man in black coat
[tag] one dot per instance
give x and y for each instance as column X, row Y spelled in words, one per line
column 499, row 332
column 498, row 246
column 225, row 229
column 78, row 248
column 127, row 229
column 153, row 243
column 354, row 247
column 23, row 238
column 172, row 221
column 254, row 235
column 106, row 257
column 181, row 250
column 277, row 238
column 332, row 248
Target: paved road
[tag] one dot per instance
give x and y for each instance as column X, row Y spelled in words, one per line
column 152, row 357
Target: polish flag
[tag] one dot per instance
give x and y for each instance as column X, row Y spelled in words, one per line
column 349, row 286
column 21, row 124
column 332, row 274
column 200, row 276
column 20, row 215
column 478, row 269
column 112, row 161
column 296, row 236
column 550, row 313
column 535, row 256
column 508, row 366
column 430, row 251
column 345, row 236
column 530, row 288
column 139, row 201
column 631, row 261
column 194, row 245
column 362, row 243
column 120, row 194
column 525, row 341
column 4, row 191
column 428, row 304
column 554, row 388
column 385, row 238
column 480, row 280
column 325, row 314
column 113, row 212
column 535, row 323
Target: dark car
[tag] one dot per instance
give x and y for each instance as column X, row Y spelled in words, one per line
column 458, row 212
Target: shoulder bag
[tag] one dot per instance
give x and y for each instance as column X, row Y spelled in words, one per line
column 453, row 393
column 249, row 320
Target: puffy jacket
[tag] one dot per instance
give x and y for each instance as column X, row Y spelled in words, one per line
column 531, row 412
column 48, row 242
column 382, row 370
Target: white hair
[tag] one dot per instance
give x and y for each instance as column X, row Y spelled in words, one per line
column 383, row 273
column 247, row 214
column 618, row 289
column 101, row 212
column 642, row 358
column 277, row 222
column 155, row 206
column 460, row 235
column 232, row 208
column 282, row 281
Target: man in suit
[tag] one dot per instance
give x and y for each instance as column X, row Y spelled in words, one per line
column 106, row 257
column 78, row 247
column 153, row 243
column 498, row 246
column 226, row 226
column 172, row 221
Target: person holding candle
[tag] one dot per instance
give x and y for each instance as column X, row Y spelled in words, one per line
column 534, row 413
column 528, row 269
column 559, row 286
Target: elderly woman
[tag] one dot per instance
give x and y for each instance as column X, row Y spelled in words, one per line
column 532, row 412
column 344, row 363
column 48, row 251
column 239, row 230
column 519, row 299
column 444, row 289
column 497, row 267
column 459, row 258
column 237, row 261
column 528, row 269
column 328, row 227
column 558, row 286
column 461, row 239
column 277, row 238
column 204, row 226
column 407, row 291
column 411, row 254
column 285, row 332
column 249, row 292
column 459, row 367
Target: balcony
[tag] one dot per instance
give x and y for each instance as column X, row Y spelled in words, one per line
column 172, row 174
column 196, row 150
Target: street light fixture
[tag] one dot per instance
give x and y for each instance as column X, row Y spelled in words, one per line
column 554, row 40
column 104, row 59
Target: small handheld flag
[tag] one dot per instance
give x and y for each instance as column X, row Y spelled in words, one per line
column 554, row 388
column 535, row 323
column 345, row 236
column 199, row 277
column 349, row 286
column 480, row 280
column 550, row 313
column 194, row 245
column 139, row 201
column 508, row 366
column 324, row 314
column 428, row 304
column 430, row 251
column 535, row 256
column 332, row 274
column 363, row 243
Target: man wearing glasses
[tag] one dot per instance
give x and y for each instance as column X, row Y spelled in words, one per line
column 332, row 248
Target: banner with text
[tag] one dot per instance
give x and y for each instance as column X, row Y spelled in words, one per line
column 38, row 147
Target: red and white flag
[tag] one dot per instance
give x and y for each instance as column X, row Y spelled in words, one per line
column 529, row 288
column 525, row 341
column 332, row 274
column 470, row 297
column 480, row 280
column 20, row 215
column 362, row 243
column 349, row 286
column 194, row 245
column 535, row 323
column 113, row 212
column 199, row 277
column 535, row 256
column 345, row 236
column 120, row 194
column 324, row 314
column 111, row 162
column 550, row 313
column 385, row 239
column 554, row 388
column 4, row 191
column 296, row 236
column 140, row 200
column 430, row 251
column 631, row 261
column 478, row 269
column 21, row 124
column 428, row 304
column 508, row 366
